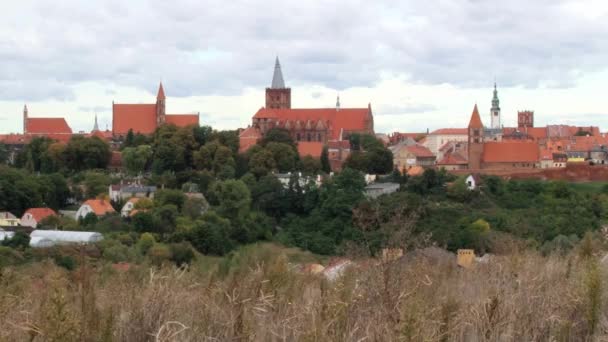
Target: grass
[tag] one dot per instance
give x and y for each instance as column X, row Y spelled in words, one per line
column 257, row 295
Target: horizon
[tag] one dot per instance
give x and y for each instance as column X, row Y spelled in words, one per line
column 423, row 66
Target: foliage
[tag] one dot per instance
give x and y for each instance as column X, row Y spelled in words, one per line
column 137, row 159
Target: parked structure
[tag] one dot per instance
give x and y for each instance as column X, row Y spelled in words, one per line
column 376, row 190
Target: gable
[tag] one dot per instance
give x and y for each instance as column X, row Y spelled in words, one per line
column 141, row 118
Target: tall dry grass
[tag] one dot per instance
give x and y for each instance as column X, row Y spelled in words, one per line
column 514, row 298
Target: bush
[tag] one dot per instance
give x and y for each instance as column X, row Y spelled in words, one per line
column 66, row 261
column 10, row 257
column 146, row 240
column 181, row 253
column 20, row 240
column 159, row 254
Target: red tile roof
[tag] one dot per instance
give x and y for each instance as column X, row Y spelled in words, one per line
column 475, row 119
column 14, row 139
column 453, row 159
column 248, row 137
column 450, row 131
column 344, row 119
column 100, row 207
column 415, row 170
column 40, row 214
column 338, row 144
column 182, row 120
column 310, row 148
column 47, row 126
column 139, row 117
column 419, row 151
column 535, row 133
column 510, row 152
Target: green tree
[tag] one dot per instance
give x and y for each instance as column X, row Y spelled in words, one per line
column 86, row 153
column 3, row 154
column 210, row 235
column 170, row 196
column 96, row 183
column 136, row 159
column 284, row 155
column 233, row 197
column 261, row 162
column 325, row 166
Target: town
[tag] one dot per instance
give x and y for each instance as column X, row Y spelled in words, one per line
column 301, row 224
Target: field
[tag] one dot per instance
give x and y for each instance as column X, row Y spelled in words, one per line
column 260, row 294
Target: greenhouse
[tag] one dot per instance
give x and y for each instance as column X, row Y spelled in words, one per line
column 63, row 236
column 6, row 235
column 40, row 242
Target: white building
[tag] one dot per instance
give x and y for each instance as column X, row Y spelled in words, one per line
column 436, row 139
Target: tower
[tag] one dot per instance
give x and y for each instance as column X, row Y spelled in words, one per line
column 278, row 96
column 338, row 104
column 525, row 119
column 475, row 133
column 495, row 110
column 160, row 105
column 24, row 119
column 96, row 127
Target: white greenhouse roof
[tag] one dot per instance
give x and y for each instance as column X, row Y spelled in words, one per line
column 40, row 242
column 67, row 236
column 6, row 235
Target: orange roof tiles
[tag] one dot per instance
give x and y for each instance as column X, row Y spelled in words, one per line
column 453, row 159
column 139, row 117
column 248, row 137
column 510, row 152
column 40, row 214
column 100, row 207
column 14, row 139
column 475, row 119
column 419, row 151
column 344, row 119
column 415, row 171
column 47, row 126
column 310, row 148
column 450, row 131
column 182, row 120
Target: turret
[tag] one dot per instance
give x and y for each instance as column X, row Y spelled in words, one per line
column 160, row 105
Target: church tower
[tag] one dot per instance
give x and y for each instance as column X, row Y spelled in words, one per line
column 278, row 96
column 160, row 106
column 475, row 132
column 96, row 126
column 495, row 110
column 24, row 119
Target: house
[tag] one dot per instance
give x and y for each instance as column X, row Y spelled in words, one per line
column 439, row 137
column 33, row 216
column 99, row 207
column 378, row 189
column 129, row 206
column 510, row 155
column 8, row 220
column 473, row 181
column 453, row 161
column 146, row 118
column 407, row 156
column 119, row 192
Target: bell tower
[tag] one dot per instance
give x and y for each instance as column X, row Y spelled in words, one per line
column 278, row 96
column 495, row 110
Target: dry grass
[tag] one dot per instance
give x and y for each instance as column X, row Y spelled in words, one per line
column 514, row 298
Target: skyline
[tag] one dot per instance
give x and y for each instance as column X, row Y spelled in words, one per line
column 418, row 69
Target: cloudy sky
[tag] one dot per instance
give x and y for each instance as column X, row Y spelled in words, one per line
column 421, row 64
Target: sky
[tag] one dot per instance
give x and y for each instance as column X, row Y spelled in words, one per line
column 421, row 64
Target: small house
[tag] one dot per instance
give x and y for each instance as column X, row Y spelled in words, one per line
column 99, row 207
column 34, row 216
column 473, row 181
column 128, row 207
column 8, row 220
column 119, row 192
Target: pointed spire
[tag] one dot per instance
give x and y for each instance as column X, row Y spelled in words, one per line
column 25, row 109
column 277, row 77
column 161, row 92
column 475, row 119
column 96, row 127
column 338, row 103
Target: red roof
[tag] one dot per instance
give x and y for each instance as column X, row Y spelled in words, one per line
column 453, row 159
column 475, row 119
column 161, row 92
column 510, row 152
column 14, row 139
column 339, row 144
column 450, row 131
column 139, row 117
column 40, row 214
column 47, row 126
column 419, row 151
column 310, row 148
column 100, row 207
column 248, row 137
column 535, row 133
column 344, row 119
column 182, row 120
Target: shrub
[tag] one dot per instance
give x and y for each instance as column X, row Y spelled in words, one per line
column 159, row 254
column 181, row 253
column 146, row 240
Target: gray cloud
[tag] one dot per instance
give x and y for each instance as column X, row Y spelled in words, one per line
column 218, row 47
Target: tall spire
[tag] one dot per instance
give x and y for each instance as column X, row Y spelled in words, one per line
column 338, row 103
column 475, row 119
column 161, row 92
column 277, row 77
column 25, row 119
column 495, row 101
column 96, row 127
column 495, row 110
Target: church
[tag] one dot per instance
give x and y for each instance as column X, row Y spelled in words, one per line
column 311, row 128
column 146, row 118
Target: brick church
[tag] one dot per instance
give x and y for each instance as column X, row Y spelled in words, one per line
column 145, row 118
column 312, row 128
